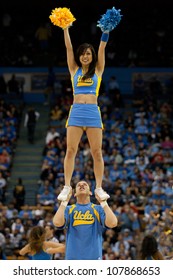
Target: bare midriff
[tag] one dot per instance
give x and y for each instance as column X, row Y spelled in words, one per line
column 85, row 99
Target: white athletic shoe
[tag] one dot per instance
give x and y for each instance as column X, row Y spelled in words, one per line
column 63, row 196
column 101, row 194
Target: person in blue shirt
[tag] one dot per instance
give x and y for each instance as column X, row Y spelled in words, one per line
column 84, row 222
column 38, row 248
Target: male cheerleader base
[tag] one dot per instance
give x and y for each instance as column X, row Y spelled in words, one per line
column 84, row 238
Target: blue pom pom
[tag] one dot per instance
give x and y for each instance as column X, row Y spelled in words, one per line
column 109, row 20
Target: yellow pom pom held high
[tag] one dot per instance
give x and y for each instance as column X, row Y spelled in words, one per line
column 62, row 17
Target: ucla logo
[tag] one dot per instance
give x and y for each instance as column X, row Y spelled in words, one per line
column 83, row 218
column 87, row 82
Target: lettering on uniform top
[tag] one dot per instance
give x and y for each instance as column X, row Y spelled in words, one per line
column 83, row 218
column 87, row 82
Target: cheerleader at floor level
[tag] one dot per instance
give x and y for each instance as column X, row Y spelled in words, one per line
column 38, row 248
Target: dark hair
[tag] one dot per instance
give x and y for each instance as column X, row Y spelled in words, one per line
column 80, row 51
column 149, row 246
column 36, row 238
column 20, row 182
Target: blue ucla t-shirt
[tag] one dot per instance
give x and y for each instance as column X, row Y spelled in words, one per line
column 85, row 224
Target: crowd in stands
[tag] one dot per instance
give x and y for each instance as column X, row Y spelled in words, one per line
column 10, row 115
column 138, row 157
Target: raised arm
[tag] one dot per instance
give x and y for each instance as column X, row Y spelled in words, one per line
column 111, row 220
column 69, row 50
column 101, row 54
column 59, row 217
column 107, row 23
column 63, row 18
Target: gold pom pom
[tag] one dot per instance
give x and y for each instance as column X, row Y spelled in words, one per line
column 62, row 17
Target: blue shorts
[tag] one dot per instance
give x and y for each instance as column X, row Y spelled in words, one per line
column 84, row 115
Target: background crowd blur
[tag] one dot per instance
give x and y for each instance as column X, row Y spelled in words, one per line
column 138, row 157
column 138, row 129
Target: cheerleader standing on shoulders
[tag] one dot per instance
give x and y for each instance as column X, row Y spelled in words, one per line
column 86, row 70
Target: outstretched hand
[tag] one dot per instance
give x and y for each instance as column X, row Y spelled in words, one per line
column 65, row 202
column 98, row 199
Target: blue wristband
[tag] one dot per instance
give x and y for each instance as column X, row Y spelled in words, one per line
column 105, row 37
